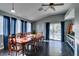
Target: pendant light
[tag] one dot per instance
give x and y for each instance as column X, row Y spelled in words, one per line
column 13, row 9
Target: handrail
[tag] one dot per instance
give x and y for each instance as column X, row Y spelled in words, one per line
column 73, row 36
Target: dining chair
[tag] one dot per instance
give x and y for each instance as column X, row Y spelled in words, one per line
column 12, row 45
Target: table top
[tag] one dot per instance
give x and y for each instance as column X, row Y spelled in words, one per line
column 26, row 39
column 22, row 40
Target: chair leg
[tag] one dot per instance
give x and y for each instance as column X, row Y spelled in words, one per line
column 16, row 50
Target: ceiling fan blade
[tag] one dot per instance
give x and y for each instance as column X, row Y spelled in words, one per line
column 53, row 8
column 58, row 4
column 45, row 4
column 46, row 9
column 40, row 9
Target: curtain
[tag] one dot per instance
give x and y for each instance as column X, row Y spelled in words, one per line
column 21, row 26
column 6, row 30
column 25, row 26
column 13, row 26
column 62, row 31
column 47, row 30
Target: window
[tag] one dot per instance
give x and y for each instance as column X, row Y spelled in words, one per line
column 28, row 27
column 18, row 26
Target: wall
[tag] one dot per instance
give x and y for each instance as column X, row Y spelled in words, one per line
column 40, row 26
column 52, row 18
column 77, row 26
column 67, row 22
column 70, row 17
column 1, row 33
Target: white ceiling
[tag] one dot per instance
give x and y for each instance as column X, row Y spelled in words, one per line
column 30, row 10
column 70, row 14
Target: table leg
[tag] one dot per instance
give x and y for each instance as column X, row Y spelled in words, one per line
column 23, row 49
column 16, row 50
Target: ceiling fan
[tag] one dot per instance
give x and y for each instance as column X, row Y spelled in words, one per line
column 50, row 5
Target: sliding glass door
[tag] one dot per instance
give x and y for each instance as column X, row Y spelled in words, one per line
column 55, row 31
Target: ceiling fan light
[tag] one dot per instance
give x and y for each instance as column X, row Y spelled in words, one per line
column 13, row 11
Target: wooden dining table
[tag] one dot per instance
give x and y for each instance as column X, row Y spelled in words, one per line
column 23, row 42
column 26, row 40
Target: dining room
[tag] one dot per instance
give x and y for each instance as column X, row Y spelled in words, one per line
column 33, row 29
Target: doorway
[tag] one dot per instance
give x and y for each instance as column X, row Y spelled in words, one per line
column 55, row 31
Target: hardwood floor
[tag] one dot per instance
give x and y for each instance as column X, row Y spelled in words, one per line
column 46, row 48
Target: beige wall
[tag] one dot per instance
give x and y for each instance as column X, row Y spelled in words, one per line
column 40, row 26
